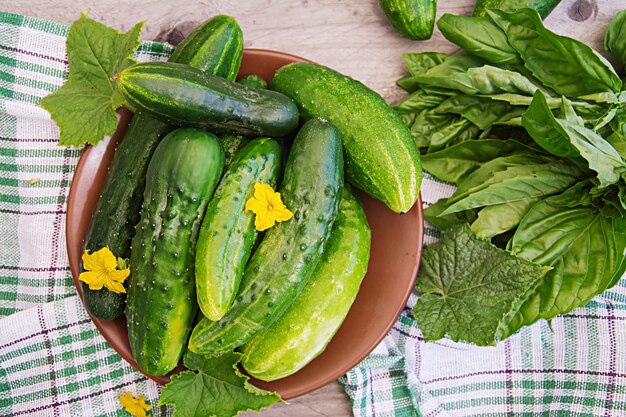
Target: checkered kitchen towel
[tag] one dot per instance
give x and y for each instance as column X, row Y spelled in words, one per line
column 53, row 361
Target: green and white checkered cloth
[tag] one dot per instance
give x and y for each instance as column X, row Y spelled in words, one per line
column 54, row 362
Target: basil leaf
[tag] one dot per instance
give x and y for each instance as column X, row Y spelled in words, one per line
column 481, row 111
column 479, row 36
column 451, row 74
column 499, row 218
column 419, row 100
column 566, row 65
column 421, row 61
column 433, row 215
column 456, row 162
column 585, row 250
column 434, row 131
column 567, row 139
column 615, row 36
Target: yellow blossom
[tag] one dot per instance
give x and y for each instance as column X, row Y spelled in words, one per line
column 267, row 206
column 135, row 406
column 100, row 270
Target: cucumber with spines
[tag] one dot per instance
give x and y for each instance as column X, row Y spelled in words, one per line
column 161, row 304
column 232, row 144
column 288, row 253
column 228, row 233
column 253, row 81
column 215, row 46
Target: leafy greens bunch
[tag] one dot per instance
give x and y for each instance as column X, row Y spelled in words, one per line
column 531, row 128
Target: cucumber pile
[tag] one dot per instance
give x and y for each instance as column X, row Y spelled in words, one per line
column 202, row 276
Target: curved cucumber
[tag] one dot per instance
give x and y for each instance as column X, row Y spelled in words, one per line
column 413, row 19
column 289, row 252
column 253, row 81
column 304, row 330
column 181, row 178
column 228, row 233
column 382, row 158
column 186, row 96
column 231, row 144
column 216, row 47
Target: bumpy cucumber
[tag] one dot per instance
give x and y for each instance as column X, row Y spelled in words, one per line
column 253, row 81
column 413, row 19
column 231, row 144
column 216, row 47
column 186, row 96
column 306, row 328
column 228, row 233
column 287, row 255
column 161, row 304
column 382, row 158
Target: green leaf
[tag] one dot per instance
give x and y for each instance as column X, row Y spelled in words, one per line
column 499, row 218
column 434, row 131
column 563, row 64
column 456, row 162
column 468, row 286
column 479, row 36
column 217, row 389
column 584, row 248
column 451, row 74
column 84, row 107
column 615, row 37
column 481, row 111
column 432, row 213
column 419, row 100
column 417, row 62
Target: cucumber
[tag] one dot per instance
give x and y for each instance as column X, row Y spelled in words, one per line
column 161, row 303
column 413, row 19
column 232, row 144
column 228, row 233
column 306, row 328
column 287, row 255
column 382, row 158
column 186, row 96
column 543, row 7
column 216, row 47
column 253, row 81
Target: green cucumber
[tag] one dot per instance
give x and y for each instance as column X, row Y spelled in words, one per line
column 413, row 19
column 306, row 328
column 186, row 96
column 232, row 144
column 382, row 158
column 228, row 233
column 287, row 255
column 161, row 303
column 543, row 7
column 253, row 81
column 216, row 47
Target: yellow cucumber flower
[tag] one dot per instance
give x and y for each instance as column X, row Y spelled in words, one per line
column 135, row 406
column 101, row 270
column 267, row 206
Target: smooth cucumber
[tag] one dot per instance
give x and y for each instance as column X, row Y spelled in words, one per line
column 186, row 96
column 228, row 233
column 413, row 19
column 287, row 255
column 215, row 46
column 382, row 158
column 308, row 325
column 253, row 81
column 161, row 304
column 232, row 144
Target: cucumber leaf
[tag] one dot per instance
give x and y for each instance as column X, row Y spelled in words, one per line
column 217, row 389
column 584, row 248
column 563, row 64
column 479, row 36
column 84, row 107
column 468, row 286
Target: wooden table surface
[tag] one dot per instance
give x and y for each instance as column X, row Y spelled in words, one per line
column 351, row 36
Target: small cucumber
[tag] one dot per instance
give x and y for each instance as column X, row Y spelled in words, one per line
column 413, row 19
column 186, row 96
column 306, row 328
column 216, row 46
column 543, row 7
column 253, row 81
column 161, row 304
column 232, row 144
column 289, row 251
column 228, row 233
column 382, row 158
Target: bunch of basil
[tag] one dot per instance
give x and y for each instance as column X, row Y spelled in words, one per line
column 531, row 128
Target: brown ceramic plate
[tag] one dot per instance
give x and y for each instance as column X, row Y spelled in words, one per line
column 395, row 255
